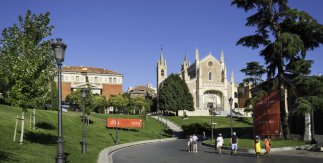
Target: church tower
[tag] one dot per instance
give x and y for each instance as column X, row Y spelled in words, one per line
column 161, row 69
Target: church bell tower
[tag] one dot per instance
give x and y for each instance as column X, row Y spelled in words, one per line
column 161, row 69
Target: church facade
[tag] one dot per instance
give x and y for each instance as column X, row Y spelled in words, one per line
column 207, row 81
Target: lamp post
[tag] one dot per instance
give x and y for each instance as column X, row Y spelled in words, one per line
column 83, row 121
column 59, row 50
column 211, row 108
column 117, row 126
column 230, row 102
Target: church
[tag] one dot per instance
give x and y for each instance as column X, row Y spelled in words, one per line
column 207, row 81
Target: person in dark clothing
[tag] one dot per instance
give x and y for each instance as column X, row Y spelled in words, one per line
column 234, row 143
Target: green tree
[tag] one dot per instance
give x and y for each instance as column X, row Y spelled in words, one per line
column 99, row 102
column 118, row 101
column 254, row 71
column 309, row 96
column 140, row 104
column 174, row 95
column 54, row 96
column 26, row 62
column 286, row 35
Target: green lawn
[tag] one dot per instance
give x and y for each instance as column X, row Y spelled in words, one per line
column 248, row 143
column 40, row 144
column 223, row 122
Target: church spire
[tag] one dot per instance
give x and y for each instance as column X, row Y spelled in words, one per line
column 232, row 77
column 197, row 54
column 161, row 58
column 222, row 56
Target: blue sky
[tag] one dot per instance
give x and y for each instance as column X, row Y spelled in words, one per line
column 126, row 35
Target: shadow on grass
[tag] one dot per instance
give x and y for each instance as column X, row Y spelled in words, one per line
column 41, row 138
column 66, row 156
column 86, row 118
column 4, row 156
column 112, row 137
column 45, row 125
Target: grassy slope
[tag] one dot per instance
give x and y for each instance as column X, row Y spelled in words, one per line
column 40, row 144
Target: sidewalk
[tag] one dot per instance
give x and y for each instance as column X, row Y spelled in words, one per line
column 177, row 131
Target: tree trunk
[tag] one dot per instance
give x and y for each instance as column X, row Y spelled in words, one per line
column 22, row 127
column 285, row 114
column 34, row 118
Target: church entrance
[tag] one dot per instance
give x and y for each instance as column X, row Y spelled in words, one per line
column 212, row 99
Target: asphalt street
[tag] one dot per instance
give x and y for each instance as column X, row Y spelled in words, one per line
column 177, row 152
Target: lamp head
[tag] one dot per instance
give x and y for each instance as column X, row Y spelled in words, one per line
column 59, row 50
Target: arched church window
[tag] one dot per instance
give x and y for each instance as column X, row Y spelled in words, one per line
column 162, row 72
column 210, row 75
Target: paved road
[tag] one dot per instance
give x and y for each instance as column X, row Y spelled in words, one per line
column 176, row 152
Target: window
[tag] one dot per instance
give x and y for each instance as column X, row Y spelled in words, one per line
column 210, row 75
column 110, row 80
column 95, row 79
column 210, row 63
column 162, row 72
column 114, row 80
column 235, row 94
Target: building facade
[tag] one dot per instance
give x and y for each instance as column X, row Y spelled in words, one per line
column 147, row 92
column 103, row 82
column 207, row 81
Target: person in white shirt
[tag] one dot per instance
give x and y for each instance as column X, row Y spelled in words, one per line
column 194, row 143
column 190, row 144
column 219, row 143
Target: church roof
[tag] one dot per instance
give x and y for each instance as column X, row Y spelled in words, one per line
column 88, row 70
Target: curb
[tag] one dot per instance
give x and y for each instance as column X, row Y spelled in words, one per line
column 106, row 154
column 253, row 151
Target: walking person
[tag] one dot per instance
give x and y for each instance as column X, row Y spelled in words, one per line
column 257, row 146
column 234, row 143
column 219, row 143
column 190, row 144
column 267, row 146
column 194, row 138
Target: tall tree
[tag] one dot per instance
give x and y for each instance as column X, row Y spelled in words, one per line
column 254, row 72
column 309, row 96
column 26, row 62
column 286, row 35
column 174, row 95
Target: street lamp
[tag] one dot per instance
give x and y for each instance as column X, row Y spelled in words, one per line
column 211, row 109
column 83, row 121
column 59, row 50
column 231, row 101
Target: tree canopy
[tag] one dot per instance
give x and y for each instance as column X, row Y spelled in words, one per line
column 174, row 95
column 26, row 61
column 285, row 35
column 118, row 101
